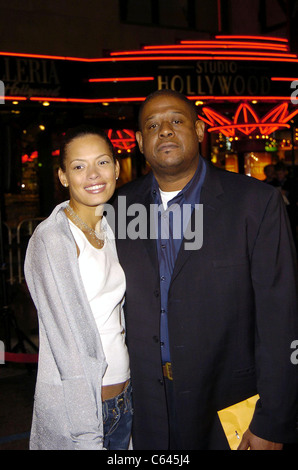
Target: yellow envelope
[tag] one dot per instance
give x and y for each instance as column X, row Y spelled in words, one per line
column 236, row 418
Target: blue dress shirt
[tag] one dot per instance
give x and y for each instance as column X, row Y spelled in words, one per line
column 173, row 220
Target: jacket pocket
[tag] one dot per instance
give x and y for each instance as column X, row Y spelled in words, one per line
column 248, row 371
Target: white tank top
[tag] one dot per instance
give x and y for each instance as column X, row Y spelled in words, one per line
column 104, row 282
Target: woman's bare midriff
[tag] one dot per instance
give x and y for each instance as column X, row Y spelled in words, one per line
column 111, row 391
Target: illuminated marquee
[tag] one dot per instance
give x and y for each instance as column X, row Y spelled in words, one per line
column 225, row 68
column 229, row 70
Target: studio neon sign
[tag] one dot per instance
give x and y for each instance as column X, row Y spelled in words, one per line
column 231, row 70
column 219, row 69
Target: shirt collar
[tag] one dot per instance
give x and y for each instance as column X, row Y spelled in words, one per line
column 190, row 194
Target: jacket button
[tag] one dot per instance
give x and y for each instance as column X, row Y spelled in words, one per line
column 156, row 339
column 156, row 293
column 160, row 381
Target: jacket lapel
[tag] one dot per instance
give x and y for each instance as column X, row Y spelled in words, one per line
column 145, row 199
column 212, row 201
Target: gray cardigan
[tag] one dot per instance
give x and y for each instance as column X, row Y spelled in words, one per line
column 67, row 404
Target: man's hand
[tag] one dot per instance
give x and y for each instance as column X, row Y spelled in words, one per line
column 252, row 442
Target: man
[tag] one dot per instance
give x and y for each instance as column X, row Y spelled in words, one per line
column 210, row 322
column 270, row 174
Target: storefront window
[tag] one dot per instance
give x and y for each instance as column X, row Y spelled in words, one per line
column 255, row 162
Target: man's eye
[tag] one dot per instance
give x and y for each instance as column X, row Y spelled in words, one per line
column 152, row 126
column 78, row 167
column 177, row 121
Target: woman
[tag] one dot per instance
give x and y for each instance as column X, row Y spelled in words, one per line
column 83, row 393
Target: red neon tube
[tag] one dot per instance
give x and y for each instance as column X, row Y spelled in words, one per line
column 290, row 116
column 262, row 38
column 249, row 98
column 184, row 51
column 246, row 107
column 45, row 56
column 283, row 79
column 132, row 59
column 220, row 45
column 14, row 98
column 196, row 57
column 122, row 79
column 137, row 99
column 231, row 42
column 85, row 100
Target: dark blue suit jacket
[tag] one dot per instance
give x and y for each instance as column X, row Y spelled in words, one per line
column 232, row 317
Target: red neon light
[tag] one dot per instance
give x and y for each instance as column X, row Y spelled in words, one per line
column 290, row 116
column 268, row 42
column 243, row 112
column 55, row 57
column 212, row 42
column 213, row 116
column 231, row 42
column 266, row 58
column 283, row 79
column 279, row 111
column 262, row 38
column 246, row 120
column 237, row 98
column 85, row 100
column 142, row 98
column 122, row 79
column 29, row 158
column 196, row 57
column 184, row 51
column 219, row 45
column 43, row 56
column 46, row 98
column 138, row 99
column 124, row 139
column 13, row 98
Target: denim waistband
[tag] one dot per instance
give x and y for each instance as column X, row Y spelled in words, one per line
column 123, row 398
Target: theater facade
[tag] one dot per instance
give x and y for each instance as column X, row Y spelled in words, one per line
column 245, row 89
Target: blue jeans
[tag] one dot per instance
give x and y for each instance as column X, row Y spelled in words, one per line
column 117, row 420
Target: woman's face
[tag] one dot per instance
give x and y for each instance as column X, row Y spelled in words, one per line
column 90, row 171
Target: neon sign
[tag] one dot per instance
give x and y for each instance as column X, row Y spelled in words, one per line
column 123, row 140
column 218, row 71
column 246, row 120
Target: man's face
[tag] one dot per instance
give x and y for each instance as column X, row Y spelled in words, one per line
column 170, row 136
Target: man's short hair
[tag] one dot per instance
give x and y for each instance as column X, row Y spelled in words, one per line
column 168, row 92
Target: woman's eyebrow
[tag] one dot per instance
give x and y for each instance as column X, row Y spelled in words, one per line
column 80, row 159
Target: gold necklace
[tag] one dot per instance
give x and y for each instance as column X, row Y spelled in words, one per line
column 98, row 237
